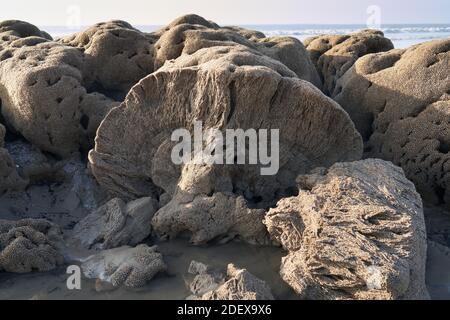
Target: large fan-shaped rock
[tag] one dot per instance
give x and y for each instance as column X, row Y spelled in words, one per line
column 335, row 54
column 355, row 231
column 116, row 56
column 225, row 88
column 43, row 97
column 125, row 266
column 399, row 101
column 29, row 245
column 116, row 224
column 191, row 33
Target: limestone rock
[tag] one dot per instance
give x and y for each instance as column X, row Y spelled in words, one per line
column 9, row 178
column 356, row 232
column 190, row 33
column 335, row 54
column 116, row 224
column 225, row 88
column 239, row 285
column 29, row 245
column 125, row 266
column 399, row 101
column 43, row 97
column 21, row 29
column 116, row 55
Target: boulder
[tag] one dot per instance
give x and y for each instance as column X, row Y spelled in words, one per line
column 125, row 266
column 42, row 93
column 190, row 33
column 333, row 55
column 116, row 224
column 239, row 284
column 399, row 101
column 116, row 56
column 29, row 245
column 355, row 231
column 21, row 29
column 225, row 88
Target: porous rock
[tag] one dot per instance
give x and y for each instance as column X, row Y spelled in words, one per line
column 125, row 266
column 29, row 245
column 399, row 101
column 239, row 284
column 116, row 224
column 355, row 231
column 335, row 54
column 225, row 88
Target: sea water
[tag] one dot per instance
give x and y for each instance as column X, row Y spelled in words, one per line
column 402, row 36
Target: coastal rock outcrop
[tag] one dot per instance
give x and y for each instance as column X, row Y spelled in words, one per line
column 29, row 245
column 190, row 33
column 238, row 284
column 43, row 97
column 399, row 101
column 355, row 231
column 125, row 266
column 116, row 56
column 116, row 224
column 333, row 55
column 224, row 88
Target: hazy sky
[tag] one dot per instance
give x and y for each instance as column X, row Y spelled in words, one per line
column 145, row 12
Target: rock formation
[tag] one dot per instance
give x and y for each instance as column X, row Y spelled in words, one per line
column 355, row 231
column 29, row 245
column 116, row 56
column 399, row 101
column 116, row 224
column 225, row 88
column 9, row 178
column 239, row 284
column 333, row 55
column 125, row 266
column 42, row 95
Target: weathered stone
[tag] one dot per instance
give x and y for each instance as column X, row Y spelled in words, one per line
column 125, row 266
column 116, row 224
column 355, row 232
column 399, row 101
column 335, row 54
column 29, row 245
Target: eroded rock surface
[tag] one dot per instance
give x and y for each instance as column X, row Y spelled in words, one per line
column 116, row 224
column 225, row 88
column 399, row 101
column 238, row 284
column 9, row 177
column 125, row 266
column 333, row 55
column 355, row 231
column 29, row 245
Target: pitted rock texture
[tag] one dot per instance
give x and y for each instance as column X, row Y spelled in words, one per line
column 29, row 245
column 333, row 55
column 116, row 224
column 355, row 231
column 239, row 284
column 399, row 101
column 125, row 266
column 225, row 88
column 190, row 33
column 42, row 94
column 116, row 56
